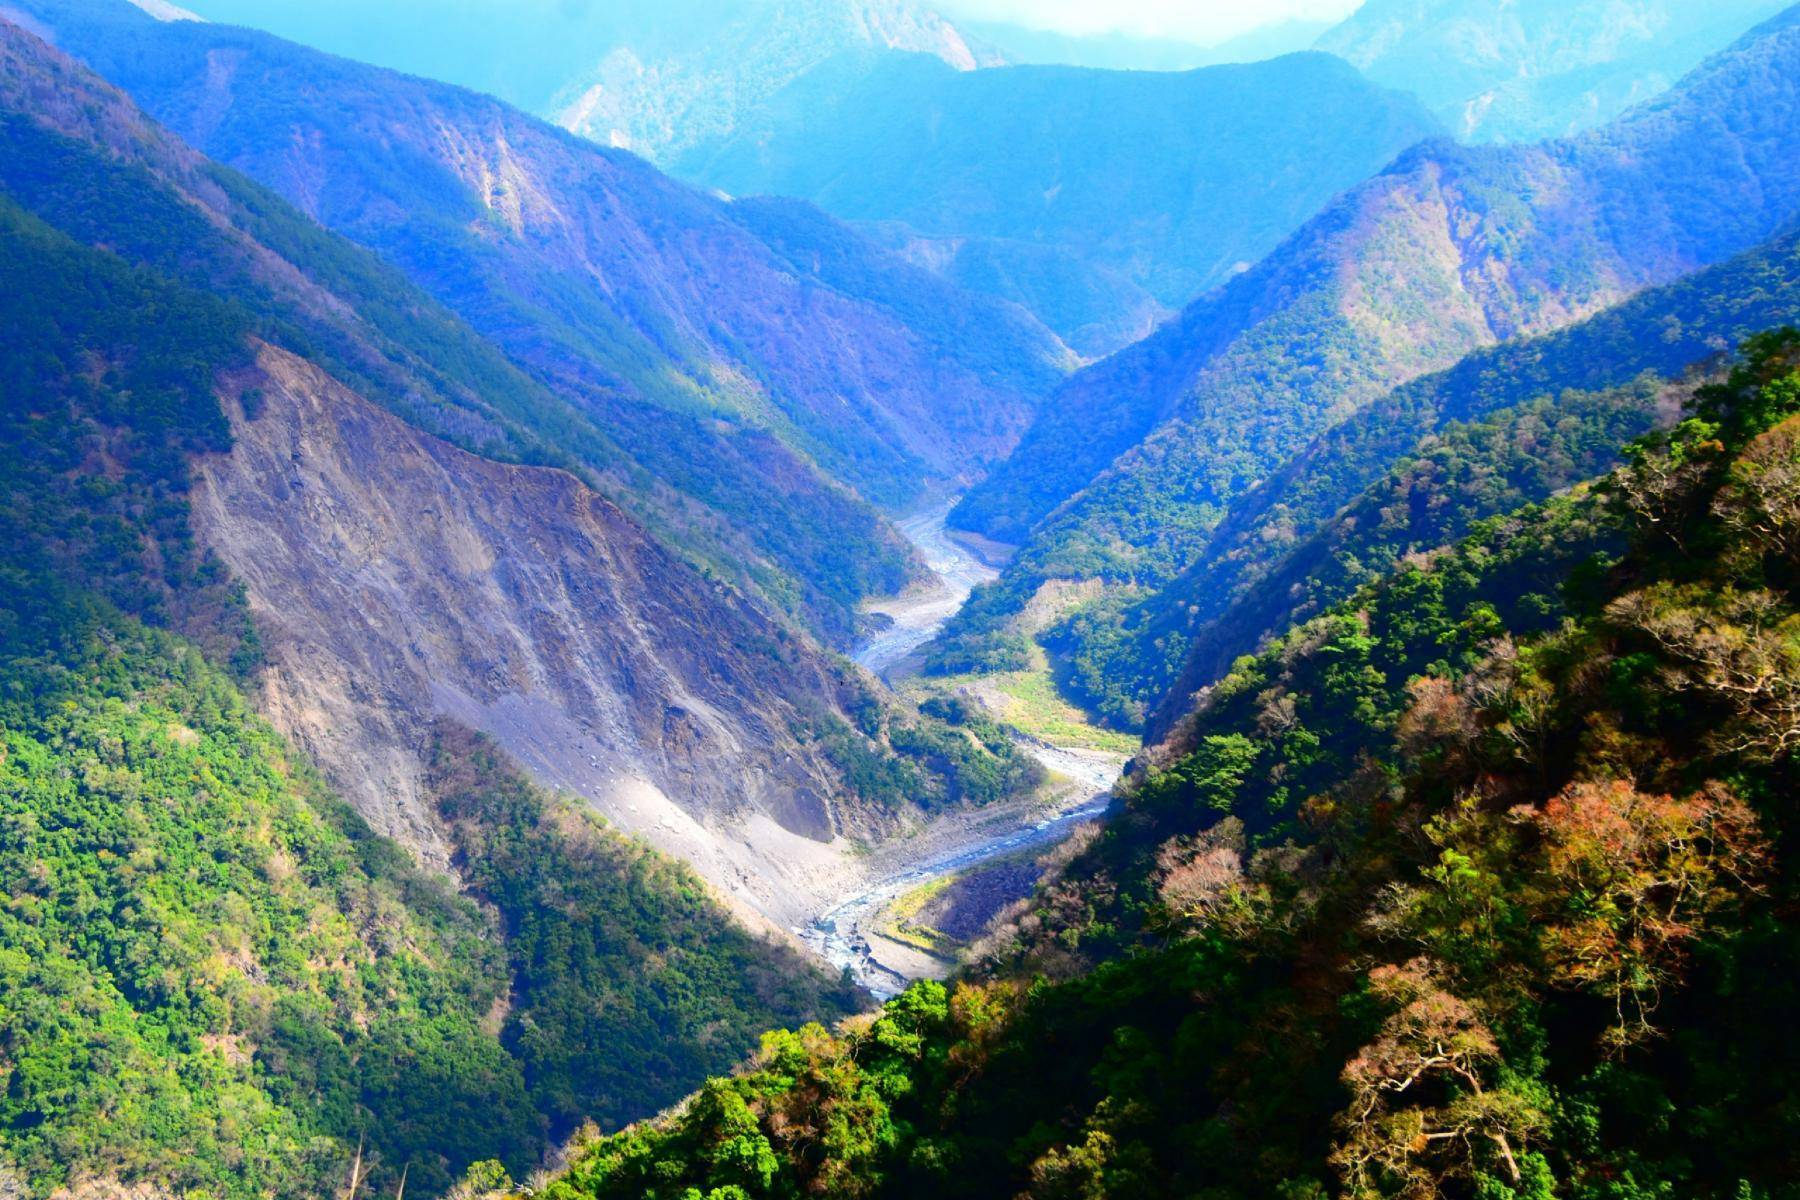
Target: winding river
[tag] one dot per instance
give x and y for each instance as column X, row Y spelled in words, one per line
column 842, row 934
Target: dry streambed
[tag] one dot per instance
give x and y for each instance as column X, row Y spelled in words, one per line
column 854, row 932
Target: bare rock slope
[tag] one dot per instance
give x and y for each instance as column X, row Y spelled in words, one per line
column 400, row 579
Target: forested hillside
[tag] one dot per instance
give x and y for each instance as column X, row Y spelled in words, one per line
column 1434, row 456
column 785, row 731
column 488, row 630
column 1134, row 465
column 1478, row 885
column 213, row 974
column 1167, row 645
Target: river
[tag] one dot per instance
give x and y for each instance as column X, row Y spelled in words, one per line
column 842, row 934
column 919, row 613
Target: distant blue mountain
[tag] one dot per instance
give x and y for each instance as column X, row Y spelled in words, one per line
column 1099, row 199
column 651, row 77
column 1518, row 70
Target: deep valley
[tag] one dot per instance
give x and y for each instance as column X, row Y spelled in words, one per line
column 865, row 599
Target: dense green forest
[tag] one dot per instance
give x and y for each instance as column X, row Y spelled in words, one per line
column 1132, row 647
column 1660, row 332
column 214, row 976
column 1457, row 445
column 1479, row 884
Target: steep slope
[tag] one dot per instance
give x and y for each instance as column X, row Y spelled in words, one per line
column 470, row 589
column 259, row 979
column 1477, row 886
column 380, row 332
column 1450, row 249
column 1120, row 659
column 1410, row 473
column 398, row 580
column 213, row 975
column 1505, row 71
column 650, row 78
column 1069, row 189
column 650, row 306
column 1308, row 514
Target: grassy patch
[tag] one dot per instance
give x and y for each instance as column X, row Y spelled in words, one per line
column 902, row 926
column 907, row 906
column 923, row 938
column 1029, row 701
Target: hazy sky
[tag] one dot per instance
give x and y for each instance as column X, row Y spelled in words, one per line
column 1195, row 20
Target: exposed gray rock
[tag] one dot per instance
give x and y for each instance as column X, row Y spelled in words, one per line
column 399, row 579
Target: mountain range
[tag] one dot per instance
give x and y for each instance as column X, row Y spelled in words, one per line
column 759, row 342
column 243, row 453
column 1139, row 458
column 1122, row 51
column 1501, row 71
column 893, row 115
column 1100, row 200
column 649, row 78
column 488, row 628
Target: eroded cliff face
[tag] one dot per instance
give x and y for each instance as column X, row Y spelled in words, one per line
column 398, row 579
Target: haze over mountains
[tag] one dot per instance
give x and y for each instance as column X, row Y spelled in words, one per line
column 1125, row 51
column 1100, row 200
column 1449, row 249
column 692, row 341
column 487, row 534
column 650, row 77
column 880, row 114
column 1501, row 71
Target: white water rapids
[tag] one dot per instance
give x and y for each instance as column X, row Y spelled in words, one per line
column 841, row 935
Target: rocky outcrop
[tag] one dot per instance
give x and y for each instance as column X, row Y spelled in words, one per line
column 398, row 579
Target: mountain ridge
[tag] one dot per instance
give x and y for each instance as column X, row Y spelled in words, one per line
column 358, row 676
column 213, row 970
column 1504, row 72
column 1450, row 249
column 1144, row 188
column 639, row 301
